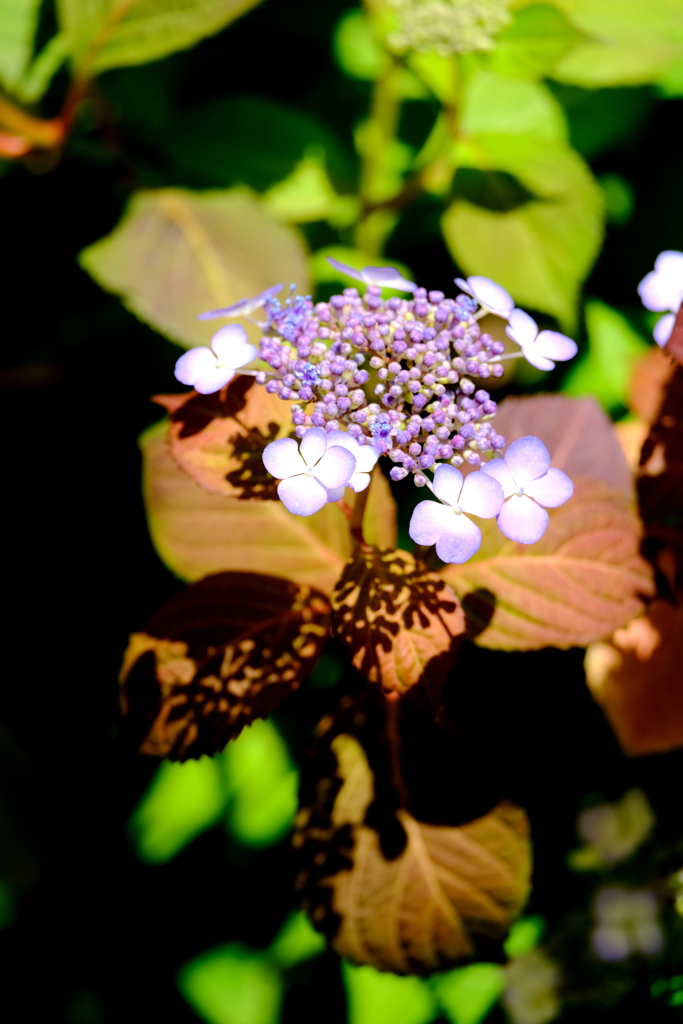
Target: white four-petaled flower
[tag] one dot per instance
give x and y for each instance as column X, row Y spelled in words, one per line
column 365, row 455
column 662, row 289
column 626, row 922
column 529, row 486
column 385, row 277
column 310, row 474
column 456, row 537
column 244, row 307
column 210, row 369
column 538, row 348
column 488, row 294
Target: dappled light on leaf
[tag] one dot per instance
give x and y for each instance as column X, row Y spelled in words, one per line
column 232, row 984
column 389, row 890
column 400, row 621
column 381, row 998
column 580, row 582
column 215, row 657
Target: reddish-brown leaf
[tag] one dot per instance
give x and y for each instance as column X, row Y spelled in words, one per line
column 215, row 657
column 651, row 374
column 401, row 622
column 636, row 679
column 674, row 346
column 580, row 582
column 660, row 481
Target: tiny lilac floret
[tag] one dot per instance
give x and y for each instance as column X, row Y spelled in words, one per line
column 662, row 290
column 446, row 524
column 208, row 370
column 488, row 294
column 310, row 474
column 383, row 277
column 539, row 348
column 245, row 307
column 529, row 486
column 365, row 455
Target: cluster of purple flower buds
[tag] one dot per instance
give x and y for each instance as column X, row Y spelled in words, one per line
column 397, row 377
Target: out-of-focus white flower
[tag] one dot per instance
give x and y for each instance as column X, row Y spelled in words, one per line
column 365, row 455
column 626, row 923
column 384, row 277
column 488, row 294
column 613, row 832
column 530, row 995
column 662, row 289
column 210, row 369
column 539, row 348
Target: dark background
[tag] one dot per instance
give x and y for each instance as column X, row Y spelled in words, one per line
column 98, row 936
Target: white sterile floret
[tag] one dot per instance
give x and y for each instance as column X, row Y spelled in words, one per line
column 662, row 289
column 310, row 474
column 244, row 307
column 626, row 923
column 488, row 294
column 456, row 537
column 365, row 455
column 384, row 277
column 614, row 831
column 529, row 486
column 531, row 983
column 539, row 348
column 210, row 369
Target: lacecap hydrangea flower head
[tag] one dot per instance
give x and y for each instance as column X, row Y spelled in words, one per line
column 400, row 378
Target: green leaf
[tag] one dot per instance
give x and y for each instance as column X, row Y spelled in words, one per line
column 182, row 800
column 308, row 195
column 467, row 994
column 495, row 105
column 606, row 368
column 18, row 23
column 116, row 33
column 542, row 250
column 634, row 41
column 379, row 998
column 524, row 936
column 296, row 941
column 263, row 785
column 232, row 985
column 43, row 69
column 534, row 43
column 600, row 119
column 177, row 253
column 356, row 49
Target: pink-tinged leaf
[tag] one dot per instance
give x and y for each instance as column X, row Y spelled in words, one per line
column 576, row 431
column 581, row 581
column 196, row 532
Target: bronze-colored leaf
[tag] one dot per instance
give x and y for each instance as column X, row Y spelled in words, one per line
column 660, row 481
column 196, row 532
column 636, row 679
column 380, row 526
column 223, row 652
column 580, row 582
column 400, row 621
column 219, row 439
column 389, row 890
column 651, row 374
column 674, row 346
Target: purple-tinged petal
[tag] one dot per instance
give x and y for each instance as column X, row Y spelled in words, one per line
column 500, row 471
column 610, row 943
column 670, row 263
column 359, row 481
column 554, row 345
column 521, row 519
column 282, row 459
column 313, row 446
column 463, row 286
column 481, row 495
column 527, row 459
column 447, row 484
column 387, row 277
column 655, row 292
column 460, row 541
column 244, row 307
column 552, row 489
column 334, row 493
column 663, row 329
column 232, row 346
column 194, row 364
column 336, row 467
column 428, row 521
column 211, row 382
column 345, row 269
column 491, row 295
column 365, row 455
column 302, row 495
column 536, row 359
column 522, row 328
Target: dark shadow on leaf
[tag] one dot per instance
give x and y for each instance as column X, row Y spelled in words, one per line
column 478, row 606
column 252, row 479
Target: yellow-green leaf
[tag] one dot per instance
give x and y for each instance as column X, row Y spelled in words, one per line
column 177, row 254
column 196, row 533
column 116, row 33
column 534, row 43
column 232, row 985
column 18, row 23
column 581, row 581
